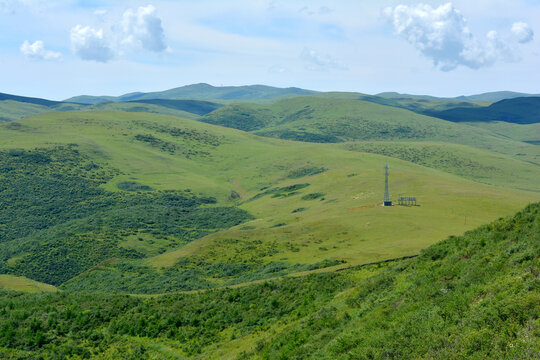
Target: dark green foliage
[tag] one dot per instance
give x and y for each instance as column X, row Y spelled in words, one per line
column 241, row 117
column 300, row 136
column 133, row 186
column 522, row 110
column 67, row 323
column 56, row 222
column 44, row 187
column 187, row 274
column 305, row 171
column 193, row 136
column 299, row 210
column 156, row 142
column 313, row 196
column 282, row 191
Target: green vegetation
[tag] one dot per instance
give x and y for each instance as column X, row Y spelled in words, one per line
column 133, row 186
column 333, row 118
column 184, row 234
column 13, row 110
column 523, row 110
column 313, row 196
column 58, row 222
column 28, row 100
column 19, row 283
column 472, row 296
column 173, row 238
column 475, row 164
column 203, row 92
column 305, row 171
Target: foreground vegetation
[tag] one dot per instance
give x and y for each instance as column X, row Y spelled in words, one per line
column 471, row 296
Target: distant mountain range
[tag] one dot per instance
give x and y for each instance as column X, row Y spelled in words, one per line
column 193, row 101
column 201, row 91
column 489, row 96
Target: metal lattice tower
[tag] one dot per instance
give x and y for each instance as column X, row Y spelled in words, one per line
column 387, row 201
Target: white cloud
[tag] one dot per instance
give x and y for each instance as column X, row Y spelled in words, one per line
column 442, row 35
column 317, row 61
column 37, row 51
column 143, row 28
column 90, row 44
column 523, row 32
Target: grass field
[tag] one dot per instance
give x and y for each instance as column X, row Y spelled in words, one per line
column 19, row 283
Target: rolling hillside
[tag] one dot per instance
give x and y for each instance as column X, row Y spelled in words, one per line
column 470, row 296
column 16, row 109
column 333, row 120
column 202, row 92
column 522, row 110
column 488, row 96
column 146, row 203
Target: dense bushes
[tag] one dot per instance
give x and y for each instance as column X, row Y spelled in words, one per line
column 56, row 221
column 64, row 323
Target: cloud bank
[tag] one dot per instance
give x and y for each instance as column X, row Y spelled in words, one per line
column 37, row 51
column 137, row 29
column 442, row 35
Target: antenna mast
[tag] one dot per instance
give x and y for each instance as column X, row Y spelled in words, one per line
column 387, row 201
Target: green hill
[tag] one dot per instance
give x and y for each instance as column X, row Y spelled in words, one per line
column 471, row 296
column 29, row 100
column 202, row 92
column 147, row 203
column 197, row 107
column 522, row 110
column 13, row 110
column 423, row 106
column 332, row 120
column 488, row 96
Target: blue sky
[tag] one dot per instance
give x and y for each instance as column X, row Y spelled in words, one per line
column 57, row 49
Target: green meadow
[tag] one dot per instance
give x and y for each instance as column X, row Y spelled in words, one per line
column 310, row 205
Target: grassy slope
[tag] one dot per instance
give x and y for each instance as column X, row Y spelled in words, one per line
column 141, row 107
column 19, row 283
column 14, row 110
column 471, row 163
column 520, row 132
column 474, row 296
column 340, row 226
column 319, row 119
